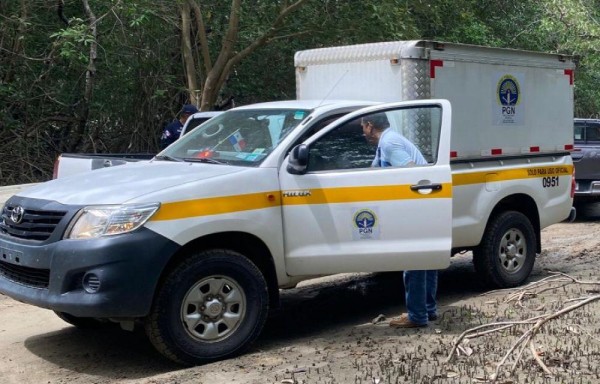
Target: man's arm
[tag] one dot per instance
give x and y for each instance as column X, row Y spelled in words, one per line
column 397, row 158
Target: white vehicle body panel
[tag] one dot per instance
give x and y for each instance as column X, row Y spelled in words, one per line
column 120, row 185
column 319, row 225
column 479, row 187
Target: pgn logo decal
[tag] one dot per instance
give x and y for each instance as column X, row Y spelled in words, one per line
column 366, row 225
column 508, row 93
column 507, row 109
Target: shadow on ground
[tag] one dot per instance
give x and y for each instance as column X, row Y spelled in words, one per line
column 315, row 309
column 356, row 300
column 589, row 212
column 110, row 352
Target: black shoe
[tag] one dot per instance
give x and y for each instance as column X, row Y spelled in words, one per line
column 432, row 317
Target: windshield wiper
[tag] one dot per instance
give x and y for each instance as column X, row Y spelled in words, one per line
column 203, row 160
column 167, row 158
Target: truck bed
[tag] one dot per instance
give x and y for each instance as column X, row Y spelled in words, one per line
column 68, row 164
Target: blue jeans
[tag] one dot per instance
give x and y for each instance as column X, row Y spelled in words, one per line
column 420, row 288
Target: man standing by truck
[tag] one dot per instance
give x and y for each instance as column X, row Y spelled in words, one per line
column 394, row 150
column 173, row 130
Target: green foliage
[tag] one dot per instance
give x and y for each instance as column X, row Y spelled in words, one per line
column 72, row 40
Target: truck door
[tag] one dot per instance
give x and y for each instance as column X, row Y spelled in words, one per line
column 342, row 212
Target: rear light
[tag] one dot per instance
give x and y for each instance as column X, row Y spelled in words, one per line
column 573, row 184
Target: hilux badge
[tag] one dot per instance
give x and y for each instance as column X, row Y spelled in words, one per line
column 16, row 216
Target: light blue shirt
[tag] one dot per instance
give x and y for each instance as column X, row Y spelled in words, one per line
column 394, row 150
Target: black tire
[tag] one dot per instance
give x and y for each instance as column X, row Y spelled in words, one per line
column 506, row 255
column 225, row 300
column 83, row 322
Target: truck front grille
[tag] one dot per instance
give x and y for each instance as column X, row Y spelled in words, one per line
column 29, row 224
column 31, row 277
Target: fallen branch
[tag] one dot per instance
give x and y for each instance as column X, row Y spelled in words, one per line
column 526, row 340
column 503, row 325
column 537, row 358
column 530, row 333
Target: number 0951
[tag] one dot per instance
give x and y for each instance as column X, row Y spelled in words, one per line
column 549, row 182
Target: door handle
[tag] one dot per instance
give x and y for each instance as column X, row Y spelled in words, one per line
column 418, row 187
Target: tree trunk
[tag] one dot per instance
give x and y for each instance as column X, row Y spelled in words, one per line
column 227, row 59
column 17, row 45
column 203, row 39
column 186, row 53
column 211, row 85
column 90, row 74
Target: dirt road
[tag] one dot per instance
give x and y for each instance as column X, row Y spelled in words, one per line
column 324, row 333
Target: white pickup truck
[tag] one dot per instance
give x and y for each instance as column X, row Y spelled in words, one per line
column 68, row 164
column 196, row 243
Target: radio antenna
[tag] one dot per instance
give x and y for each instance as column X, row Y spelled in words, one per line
column 333, row 87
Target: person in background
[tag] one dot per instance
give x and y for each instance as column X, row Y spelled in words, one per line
column 394, row 150
column 173, row 130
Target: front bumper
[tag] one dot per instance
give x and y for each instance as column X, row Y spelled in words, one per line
column 50, row 274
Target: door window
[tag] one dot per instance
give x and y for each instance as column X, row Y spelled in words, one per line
column 399, row 137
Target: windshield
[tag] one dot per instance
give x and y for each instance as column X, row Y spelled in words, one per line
column 242, row 137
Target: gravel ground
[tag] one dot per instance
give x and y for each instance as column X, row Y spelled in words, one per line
column 335, row 330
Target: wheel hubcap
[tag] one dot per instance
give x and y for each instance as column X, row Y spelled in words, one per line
column 213, row 308
column 513, row 250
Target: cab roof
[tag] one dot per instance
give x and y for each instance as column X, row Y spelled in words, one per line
column 308, row 104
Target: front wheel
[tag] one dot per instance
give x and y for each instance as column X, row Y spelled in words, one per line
column 506, row 255
column 211, row 306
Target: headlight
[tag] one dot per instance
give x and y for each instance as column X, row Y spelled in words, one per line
column 107, row 220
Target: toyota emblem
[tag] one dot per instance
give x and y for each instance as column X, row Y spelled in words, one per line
column 16, row 216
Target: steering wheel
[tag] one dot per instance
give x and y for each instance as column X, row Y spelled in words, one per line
column 207, row 134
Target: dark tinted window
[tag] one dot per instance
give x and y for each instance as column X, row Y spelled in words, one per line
column 592, row 132
column 195, row 122
column 586, row 132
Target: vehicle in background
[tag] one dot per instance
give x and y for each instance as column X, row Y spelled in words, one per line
column 586, row 158
column 68, row 164
column 196, row 119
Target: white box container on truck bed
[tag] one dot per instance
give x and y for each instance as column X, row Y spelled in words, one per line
column 504, row 101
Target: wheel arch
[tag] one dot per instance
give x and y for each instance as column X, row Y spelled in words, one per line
column 521, row 203
column 247, row 244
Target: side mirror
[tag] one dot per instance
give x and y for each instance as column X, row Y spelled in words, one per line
column 298, row 160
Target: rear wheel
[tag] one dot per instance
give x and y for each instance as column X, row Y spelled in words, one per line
column 211, row 306
column 506, row 254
